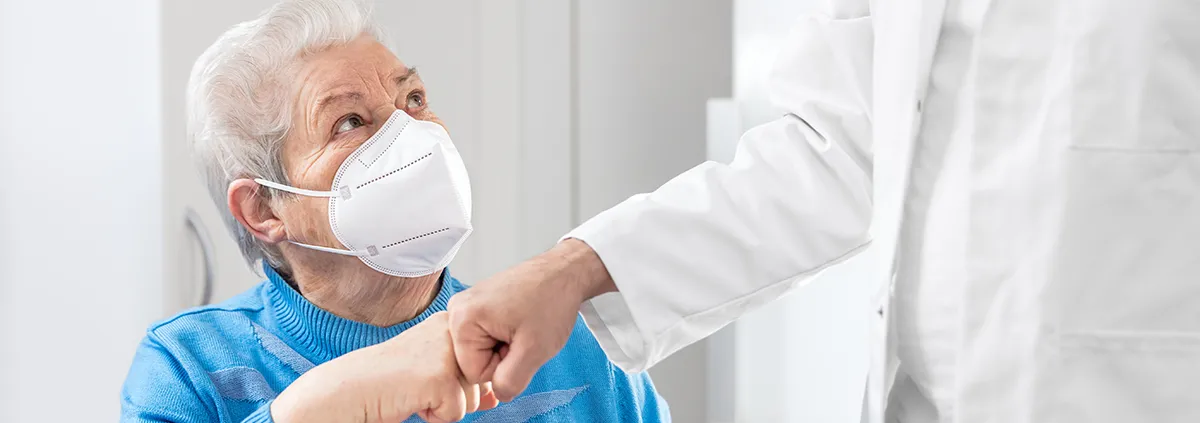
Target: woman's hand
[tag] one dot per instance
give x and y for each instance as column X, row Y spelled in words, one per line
column 415, row 372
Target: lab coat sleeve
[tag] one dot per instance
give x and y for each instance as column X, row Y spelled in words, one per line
column 721, row 240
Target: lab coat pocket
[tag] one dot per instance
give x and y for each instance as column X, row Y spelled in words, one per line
column 1134, row 74
column 1123, row 305
column 1123, row 377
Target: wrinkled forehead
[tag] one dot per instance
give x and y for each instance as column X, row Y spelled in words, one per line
column 359, row 68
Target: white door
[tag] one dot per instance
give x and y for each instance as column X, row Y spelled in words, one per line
column 188, row 27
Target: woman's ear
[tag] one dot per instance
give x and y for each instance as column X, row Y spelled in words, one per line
column 250, row 208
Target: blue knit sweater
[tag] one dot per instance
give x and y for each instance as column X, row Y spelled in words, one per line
column 227, row 362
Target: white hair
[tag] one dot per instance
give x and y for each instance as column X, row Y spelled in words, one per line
column 238, row 105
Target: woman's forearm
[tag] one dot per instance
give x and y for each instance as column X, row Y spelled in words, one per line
column 317, row 396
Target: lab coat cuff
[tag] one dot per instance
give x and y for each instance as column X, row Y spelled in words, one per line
column 611, row 322
column 609, row 316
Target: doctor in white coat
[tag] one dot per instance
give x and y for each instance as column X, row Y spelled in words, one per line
column 1027, row 171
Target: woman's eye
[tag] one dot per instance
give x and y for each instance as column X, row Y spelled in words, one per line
column 349, row 123
column 416, row 100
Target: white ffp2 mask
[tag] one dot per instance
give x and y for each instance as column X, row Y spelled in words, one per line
column 401, row 202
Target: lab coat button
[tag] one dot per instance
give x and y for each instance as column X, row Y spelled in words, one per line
column 919, row 106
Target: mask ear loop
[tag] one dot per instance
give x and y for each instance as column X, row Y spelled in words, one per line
column 331, row 250
column 294, row 190
column 311, row 193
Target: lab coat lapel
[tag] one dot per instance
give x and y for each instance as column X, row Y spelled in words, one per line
column 906, row 36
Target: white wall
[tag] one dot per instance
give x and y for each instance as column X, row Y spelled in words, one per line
column 79, row 209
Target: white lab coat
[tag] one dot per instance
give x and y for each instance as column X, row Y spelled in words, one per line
column 1084, row 259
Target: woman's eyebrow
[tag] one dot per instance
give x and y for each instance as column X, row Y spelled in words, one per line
column 345, row 97
column 400, row 80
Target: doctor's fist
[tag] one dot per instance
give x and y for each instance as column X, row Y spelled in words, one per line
column 415, row 372
column 507, row 326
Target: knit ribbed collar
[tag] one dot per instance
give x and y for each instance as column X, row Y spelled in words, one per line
column 322, row 336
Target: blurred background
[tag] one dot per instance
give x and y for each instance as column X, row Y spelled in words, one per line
column 561, row 108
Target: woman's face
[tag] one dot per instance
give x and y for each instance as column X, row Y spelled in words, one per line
column 342, row 97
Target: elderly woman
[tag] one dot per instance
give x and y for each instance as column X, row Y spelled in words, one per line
column 334, row 172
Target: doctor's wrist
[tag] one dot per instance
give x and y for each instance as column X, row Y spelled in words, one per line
column 589, row 276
